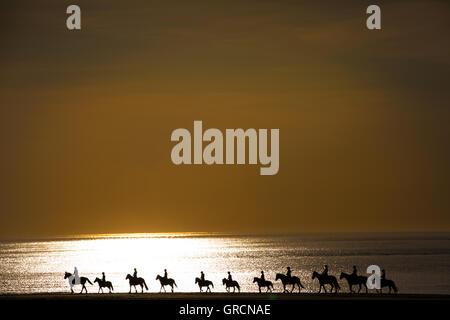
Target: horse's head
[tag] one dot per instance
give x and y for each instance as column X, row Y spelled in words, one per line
column 315, row 275
column 197, row 280
column 224, row 281
column 128, row 277
column 96, row 280
column 255, row 279
column 67, row 275
column 279, row 275
column 342, row 276
column 158, row 277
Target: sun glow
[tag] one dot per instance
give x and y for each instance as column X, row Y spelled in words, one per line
column 183, row 254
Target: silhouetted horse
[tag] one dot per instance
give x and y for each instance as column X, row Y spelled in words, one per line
column 136, row 282
column 166, row 282
column 354, row 280
column 231, row 284
column 326, row 279
column 204, row 283
column 292, row 280
column 83, row 281
column 388, row 283
column 263, row 283
column 103, row 284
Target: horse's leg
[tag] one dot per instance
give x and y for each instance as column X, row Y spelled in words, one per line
column 130, row 289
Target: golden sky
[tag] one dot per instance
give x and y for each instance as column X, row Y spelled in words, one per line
column 86, row 116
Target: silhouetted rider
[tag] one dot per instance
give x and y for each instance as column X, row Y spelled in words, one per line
column 262, row 276
column 103, row 277
column 202, row 276
column 135, row 273
column 325, row 271
column 383, row 274
column 288, row 273
column 165, row 274
column 230, row 278
column 354, row 273
column 76, row 277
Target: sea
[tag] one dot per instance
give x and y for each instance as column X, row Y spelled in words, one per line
column 418, row 263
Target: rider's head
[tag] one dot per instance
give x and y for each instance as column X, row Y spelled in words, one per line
column 289, row 268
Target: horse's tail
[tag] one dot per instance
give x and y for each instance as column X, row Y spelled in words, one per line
column 212, row 284
column 87, row 279
column 145, row 285
column 175, row 284
column 112, row 288
column 394, row 287
column 338, row 287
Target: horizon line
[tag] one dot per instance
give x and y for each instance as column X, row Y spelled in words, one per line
column 188, row 234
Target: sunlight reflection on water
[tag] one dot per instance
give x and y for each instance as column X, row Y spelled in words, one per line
column 39, row 266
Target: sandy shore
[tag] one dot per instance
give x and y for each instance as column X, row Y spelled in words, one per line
column 222, row 296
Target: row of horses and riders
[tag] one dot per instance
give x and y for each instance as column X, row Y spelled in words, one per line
column 286, row 279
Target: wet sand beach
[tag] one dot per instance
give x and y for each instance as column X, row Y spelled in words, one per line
column 223, row 296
